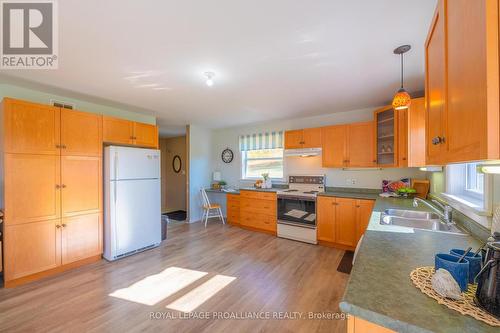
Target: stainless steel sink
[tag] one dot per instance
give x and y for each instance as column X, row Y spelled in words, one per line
column 417, row 220
column 412, row 214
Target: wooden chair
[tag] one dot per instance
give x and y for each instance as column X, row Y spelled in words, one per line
column 208, row 208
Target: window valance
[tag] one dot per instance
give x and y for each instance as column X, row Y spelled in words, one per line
column 258, row 141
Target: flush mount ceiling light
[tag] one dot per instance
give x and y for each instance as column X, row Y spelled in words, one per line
column 209, row 78
column 402, row 99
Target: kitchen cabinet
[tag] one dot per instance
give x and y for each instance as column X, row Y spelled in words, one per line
column 51, row 184
column 303, row 138
column 81, row 133
column 233, row 208
column 414, row 140
column 31, row 248
column 334, row 152
column 342, row 221
column 462, row 80
column 360, row 152
column 81, row 185
column 364, row 210
column 81, row 237
column 30, row 128
column 258, row 210
column 358, row 325
column 402, row 156
column 348, row 145
column 386, row 136
column 326, row 219
column 121, row 131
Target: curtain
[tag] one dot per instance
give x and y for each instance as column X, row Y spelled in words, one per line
column 259, row 141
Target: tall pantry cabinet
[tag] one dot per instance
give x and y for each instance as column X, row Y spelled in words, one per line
column 51, row 164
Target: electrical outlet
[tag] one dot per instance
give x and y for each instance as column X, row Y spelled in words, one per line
column 353, row 181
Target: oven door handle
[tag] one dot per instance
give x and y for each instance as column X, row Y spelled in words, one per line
column 301, row 225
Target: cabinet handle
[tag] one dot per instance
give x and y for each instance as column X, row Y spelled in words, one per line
column 63, row 186
column 63, row 146
column 58, row 186
column 404, row 158
column 438, row 140
column 358, row 206
column 64, row 225
column 58, row 226
column 58, row 146
column 374, row 161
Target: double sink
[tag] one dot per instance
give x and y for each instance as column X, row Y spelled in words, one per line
column 418, row 220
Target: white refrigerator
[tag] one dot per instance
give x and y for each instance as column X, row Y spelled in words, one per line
column 132, row 207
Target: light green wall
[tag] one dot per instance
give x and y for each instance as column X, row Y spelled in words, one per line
column 14, row 91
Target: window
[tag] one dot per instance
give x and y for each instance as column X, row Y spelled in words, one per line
column 465, row 184
column 256, row 162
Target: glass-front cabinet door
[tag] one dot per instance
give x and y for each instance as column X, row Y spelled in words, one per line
column 386, row 137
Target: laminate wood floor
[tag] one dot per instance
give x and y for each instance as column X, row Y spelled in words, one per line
column 218, row 272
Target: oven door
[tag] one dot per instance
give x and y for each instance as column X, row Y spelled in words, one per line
column 299, row 211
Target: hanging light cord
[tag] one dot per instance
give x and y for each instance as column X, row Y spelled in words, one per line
column 402, row 69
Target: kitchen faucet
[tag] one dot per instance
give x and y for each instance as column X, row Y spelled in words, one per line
column 447, row 210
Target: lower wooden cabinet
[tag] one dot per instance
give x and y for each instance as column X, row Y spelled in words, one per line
column 358, row 325
column 233, row 208
column 342, row 221
column 81, row 237
column 258, row 210
column 30, row 248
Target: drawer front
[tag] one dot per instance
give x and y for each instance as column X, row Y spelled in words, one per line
column 267, row 207
column 258, row 220
column 258, row 195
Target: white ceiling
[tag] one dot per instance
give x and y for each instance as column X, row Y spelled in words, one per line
column 272, row 58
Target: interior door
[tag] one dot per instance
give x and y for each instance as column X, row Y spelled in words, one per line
column 326, row 219
column 31, row 128
column 137, row 213
column 145, row 135
column 435, row 55
column 116, row 130
column 81, row 185
column 293, row 139
column 361, row 146
column 334, row 142
column 81, row 133
column 81, row 237
column 345, row 222
column 31, row 248
column 32, row 191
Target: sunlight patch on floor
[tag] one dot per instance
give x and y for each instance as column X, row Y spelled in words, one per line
column 154, row 288
column 201, row 294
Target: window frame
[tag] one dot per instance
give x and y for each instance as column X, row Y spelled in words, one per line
column 243, row 166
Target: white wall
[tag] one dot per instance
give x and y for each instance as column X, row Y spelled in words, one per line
column 200, row 159
column 231, row 173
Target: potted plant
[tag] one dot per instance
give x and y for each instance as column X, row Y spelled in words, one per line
column 222, row 184
column 267, row 181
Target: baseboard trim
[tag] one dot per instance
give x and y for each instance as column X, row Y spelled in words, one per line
column 51, row 272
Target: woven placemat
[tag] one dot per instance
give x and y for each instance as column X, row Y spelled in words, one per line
column 421, row 278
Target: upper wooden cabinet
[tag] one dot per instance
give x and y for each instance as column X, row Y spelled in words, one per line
column 386, row 136
column 462, row 82
column 348, row 145
column 303, row 138
column 30, row 127
column 115, row 130
column 81, row 133
column 121, row 131
column 411, row 134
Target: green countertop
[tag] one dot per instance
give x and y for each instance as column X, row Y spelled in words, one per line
column 380, row 290
column 350, row 194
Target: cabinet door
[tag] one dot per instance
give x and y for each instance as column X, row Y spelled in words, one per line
column 361, row 145
column 31, row 248
column 81, row 185
column 345, row 222
column 81, row 133
column 81, row 237
column 386, row 136
column 435, row 89
column 32, row 190
column 311, row 138
column 402, row 116
column 116, row 130
column 364, row 210
column 468, row 42
column 293, row 139
column 31, row 128
column 416, row 133
column 334, row 142
column 326, row 219
column 145, row 135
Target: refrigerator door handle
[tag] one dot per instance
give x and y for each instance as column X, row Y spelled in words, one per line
column 116, row 176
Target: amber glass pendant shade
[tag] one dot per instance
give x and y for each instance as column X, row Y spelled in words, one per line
column 402, row 100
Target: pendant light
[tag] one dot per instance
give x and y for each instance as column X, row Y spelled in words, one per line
column 402, row 99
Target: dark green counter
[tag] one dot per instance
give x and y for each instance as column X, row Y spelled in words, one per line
column 380, row 290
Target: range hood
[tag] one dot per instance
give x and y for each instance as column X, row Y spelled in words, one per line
column 303, row 152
